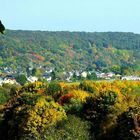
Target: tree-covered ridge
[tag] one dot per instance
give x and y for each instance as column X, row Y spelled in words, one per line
column 70, row 50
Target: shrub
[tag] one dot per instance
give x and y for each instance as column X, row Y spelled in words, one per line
column 36, row 87
column 55, row 90
column 4, row 95
column 128, row 125
column 74, row 106
column 31, row 119
column 80, row 94
column 73, row 128
column 96, row 110
column 89, row 86
column 65, row 98
column 6, row 92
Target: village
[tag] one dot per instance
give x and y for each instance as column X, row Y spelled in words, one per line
column 10, row 77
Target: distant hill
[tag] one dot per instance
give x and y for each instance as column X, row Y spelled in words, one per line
column 116, row 51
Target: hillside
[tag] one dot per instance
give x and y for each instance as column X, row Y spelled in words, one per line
column 115, row 51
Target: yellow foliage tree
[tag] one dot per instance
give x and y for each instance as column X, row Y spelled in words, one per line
column 44, row 114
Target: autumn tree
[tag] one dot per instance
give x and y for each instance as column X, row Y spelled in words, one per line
column 128, row 125
column 31, row 115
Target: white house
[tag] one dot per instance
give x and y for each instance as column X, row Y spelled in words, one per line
column 77, row 73
column 32, row 79
column 49, row 78
column 49, row 70
column 130, row 78
column 9, row 81
column 1, row 81
column 110, row 74
column 68, row 79
column 105, row 75
column 70, row 73
column 84, row 74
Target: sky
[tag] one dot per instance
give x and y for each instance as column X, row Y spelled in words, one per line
column 71, row 15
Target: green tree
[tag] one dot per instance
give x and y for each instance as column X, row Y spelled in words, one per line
column 2, row 28
column 21, row 79
column 53, row 75
column 73, row 128
column 92, row 76
column 37, row 72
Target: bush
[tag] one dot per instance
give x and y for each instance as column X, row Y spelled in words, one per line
column 65, row 99
column 74, row 106
column 4, row 95
column 6, row 92
column 128, row 125
column 96, row 110
column 30, row 119
column 55, row 90
column 73, row 128
column 89, row 86
column 36, row 87
column 73, row 103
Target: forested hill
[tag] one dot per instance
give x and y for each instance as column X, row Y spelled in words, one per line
column 70, row 50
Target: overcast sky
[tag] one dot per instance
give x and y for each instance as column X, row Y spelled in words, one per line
column 71, row 15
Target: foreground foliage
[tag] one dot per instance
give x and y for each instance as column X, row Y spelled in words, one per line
column 90, row 110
